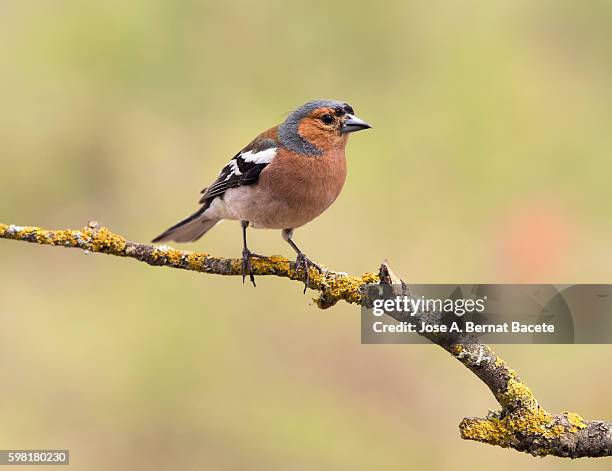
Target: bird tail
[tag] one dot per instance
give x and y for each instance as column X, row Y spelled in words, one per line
column 189, row 229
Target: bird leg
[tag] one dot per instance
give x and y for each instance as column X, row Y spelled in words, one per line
column 301, row 261
column 246, row 255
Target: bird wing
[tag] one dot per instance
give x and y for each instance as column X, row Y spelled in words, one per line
column 243, row 169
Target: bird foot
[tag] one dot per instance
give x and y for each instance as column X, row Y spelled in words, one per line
column 247, row 268
column 304, row 263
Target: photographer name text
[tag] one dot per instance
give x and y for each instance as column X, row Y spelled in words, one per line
column 468, row 327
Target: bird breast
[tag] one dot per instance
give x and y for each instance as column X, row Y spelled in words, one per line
column 292, row 190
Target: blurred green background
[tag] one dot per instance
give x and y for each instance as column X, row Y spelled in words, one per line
column 489, row 161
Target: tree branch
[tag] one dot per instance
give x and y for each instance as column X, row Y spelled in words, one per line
column 521, row 423
column 333, row 286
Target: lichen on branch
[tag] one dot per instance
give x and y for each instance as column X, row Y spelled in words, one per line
column 522, row 423
column 332, row 286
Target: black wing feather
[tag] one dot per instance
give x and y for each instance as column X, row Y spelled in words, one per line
column 248, row 172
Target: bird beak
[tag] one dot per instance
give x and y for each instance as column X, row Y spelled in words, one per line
column 353, row 123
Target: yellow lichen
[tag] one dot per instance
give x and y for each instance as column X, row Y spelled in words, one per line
column 175, row 256
column 503, row 432
column 196, row 261
column 369, row 278
column 103, row 240
column 270, row 265
column 167, row 255
column 558, row 430
column 575, row 420
column 456, row 349
column 340, row 286
column 517, row 395
column 523, row 415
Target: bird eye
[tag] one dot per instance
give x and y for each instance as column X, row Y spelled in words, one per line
column 327, row 119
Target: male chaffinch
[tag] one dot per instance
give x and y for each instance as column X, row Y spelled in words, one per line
column 283, row 179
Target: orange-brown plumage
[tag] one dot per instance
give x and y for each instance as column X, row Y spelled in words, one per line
column 306, row 187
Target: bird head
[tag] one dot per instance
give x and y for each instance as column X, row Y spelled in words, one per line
column 319, row 126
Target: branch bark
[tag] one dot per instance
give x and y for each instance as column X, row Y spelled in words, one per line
column 521, row 423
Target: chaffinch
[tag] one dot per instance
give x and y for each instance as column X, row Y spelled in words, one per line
column 283, row 179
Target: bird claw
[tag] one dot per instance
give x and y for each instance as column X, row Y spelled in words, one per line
column 247, row 268
column 304, row 263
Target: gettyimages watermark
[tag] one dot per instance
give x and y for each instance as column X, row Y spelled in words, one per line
column 558, row 314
